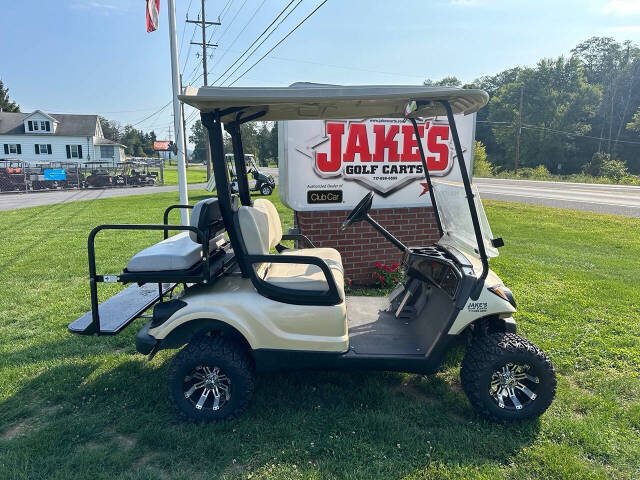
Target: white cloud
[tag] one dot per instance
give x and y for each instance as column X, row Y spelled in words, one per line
column 622, row 7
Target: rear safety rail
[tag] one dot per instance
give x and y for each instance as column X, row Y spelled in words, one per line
column 124, row 307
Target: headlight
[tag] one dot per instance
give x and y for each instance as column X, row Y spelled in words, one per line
column 504, row 293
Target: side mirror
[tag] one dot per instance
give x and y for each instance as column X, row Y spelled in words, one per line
column 497, row 242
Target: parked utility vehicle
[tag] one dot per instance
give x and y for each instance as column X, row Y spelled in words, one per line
column 258, row 182
column 241, row 309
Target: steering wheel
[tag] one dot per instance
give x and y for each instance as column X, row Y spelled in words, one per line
column 359, row 212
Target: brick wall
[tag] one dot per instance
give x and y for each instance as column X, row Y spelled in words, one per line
column 360, row 245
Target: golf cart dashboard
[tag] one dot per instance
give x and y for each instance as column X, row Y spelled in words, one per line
column 436, row 266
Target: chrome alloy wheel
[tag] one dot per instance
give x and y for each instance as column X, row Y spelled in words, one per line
column 513, row 387
column 207, row 388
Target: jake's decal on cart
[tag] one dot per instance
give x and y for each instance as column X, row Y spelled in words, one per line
column 477, row 307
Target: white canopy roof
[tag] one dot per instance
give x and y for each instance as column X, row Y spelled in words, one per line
column 308, row 101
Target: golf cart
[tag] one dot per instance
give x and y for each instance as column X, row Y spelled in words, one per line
column 241, row 309
column 259, row 182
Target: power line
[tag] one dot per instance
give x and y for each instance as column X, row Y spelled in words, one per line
column 184, row 28
column 280, row 42
column 258, row 38
column 153, row 114
column 230, row 23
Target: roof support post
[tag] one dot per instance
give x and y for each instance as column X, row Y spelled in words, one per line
column 241, row 167
column 216, row 142
column 472, row 205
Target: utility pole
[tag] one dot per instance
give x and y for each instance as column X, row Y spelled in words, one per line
column 517, row 160
column 203, row 26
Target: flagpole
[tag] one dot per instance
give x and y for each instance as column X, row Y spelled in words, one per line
column 175, row 78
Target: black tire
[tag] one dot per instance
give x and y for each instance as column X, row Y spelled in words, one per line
column 233, row 362
column 266, row 190
column 485, row 359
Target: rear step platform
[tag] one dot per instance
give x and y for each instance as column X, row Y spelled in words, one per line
column 120, row 310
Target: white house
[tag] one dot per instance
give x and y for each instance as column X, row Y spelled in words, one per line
column 38, row 137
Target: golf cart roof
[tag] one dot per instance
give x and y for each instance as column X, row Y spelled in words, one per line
column 308, row 101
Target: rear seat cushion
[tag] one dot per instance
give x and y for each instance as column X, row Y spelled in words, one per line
column 177, row 252
column 254, row 225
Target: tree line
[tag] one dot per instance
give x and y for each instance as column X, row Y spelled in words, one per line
column 575, row 114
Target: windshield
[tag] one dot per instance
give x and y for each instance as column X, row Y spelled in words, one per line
column 457, row 226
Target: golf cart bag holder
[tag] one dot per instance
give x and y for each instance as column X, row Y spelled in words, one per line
column 150, row 286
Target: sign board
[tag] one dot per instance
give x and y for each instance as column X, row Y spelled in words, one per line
column 162, row 145
column 55, row 174
column 332, row 164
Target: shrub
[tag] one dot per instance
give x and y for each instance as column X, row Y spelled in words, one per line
column 387, row 276
column 481, row 166
column 614, row 169
column 594, row 167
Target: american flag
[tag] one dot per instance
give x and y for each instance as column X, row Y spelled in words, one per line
column 153, row 7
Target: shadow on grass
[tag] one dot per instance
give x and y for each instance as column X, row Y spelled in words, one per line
column 92, row 419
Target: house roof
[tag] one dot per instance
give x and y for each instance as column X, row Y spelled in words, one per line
column 106, row 141
column 305, row 101
column 29, row 115
column 12, row 123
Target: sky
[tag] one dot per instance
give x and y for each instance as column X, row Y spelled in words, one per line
column 95, row 56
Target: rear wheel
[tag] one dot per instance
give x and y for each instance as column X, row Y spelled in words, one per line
column 507, row 378
column 211, row 379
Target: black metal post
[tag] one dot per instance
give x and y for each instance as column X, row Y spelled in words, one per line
column 427, row 175
column 472, row 205
column 241, row 168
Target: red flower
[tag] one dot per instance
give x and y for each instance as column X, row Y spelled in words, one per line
column 378, row 265
column 394, row 266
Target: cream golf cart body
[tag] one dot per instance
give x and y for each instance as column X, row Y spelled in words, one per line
column 241, row 309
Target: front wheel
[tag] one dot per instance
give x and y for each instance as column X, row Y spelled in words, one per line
column 507, row 378
column 266, row 190
column 210, row 379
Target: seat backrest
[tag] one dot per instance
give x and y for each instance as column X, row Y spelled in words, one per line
column 206, row 214
column 254, row 226
column 275, row 227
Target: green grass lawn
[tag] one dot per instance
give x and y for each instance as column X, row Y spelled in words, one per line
column 85, row 407
column 195, row 174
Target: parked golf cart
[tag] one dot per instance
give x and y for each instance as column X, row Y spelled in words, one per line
column 240, row 309
column 259, row 181
column 98, row 174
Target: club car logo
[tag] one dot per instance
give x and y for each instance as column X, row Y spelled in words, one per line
column 381, row 154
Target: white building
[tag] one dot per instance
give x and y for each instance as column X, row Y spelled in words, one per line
column 39, row 137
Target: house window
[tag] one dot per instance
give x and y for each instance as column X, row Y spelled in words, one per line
column 13, row 148
column 35, row 125
column 74, row 151
column 43, row 149
column 47, row 125
column 107, row 151
column 42, row 125
column 30, row 125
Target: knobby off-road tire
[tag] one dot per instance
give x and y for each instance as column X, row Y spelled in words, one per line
column 234, row 373
column 486, row 361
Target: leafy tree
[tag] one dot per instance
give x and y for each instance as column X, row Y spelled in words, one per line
column 557, row 99
column 481, row 167
column 7, row 105
column 110, row 129
column 198, row 138
column 444, row 82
